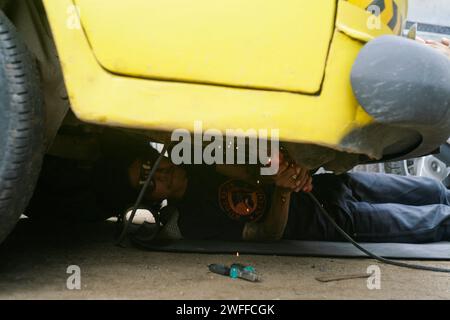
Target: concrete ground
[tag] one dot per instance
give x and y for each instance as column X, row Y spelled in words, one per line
column 34, row 262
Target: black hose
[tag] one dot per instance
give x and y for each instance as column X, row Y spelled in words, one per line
column 141, row 195
column 370, row 254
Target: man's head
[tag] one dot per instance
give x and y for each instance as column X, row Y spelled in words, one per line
column 126, row 160
column 169, row 181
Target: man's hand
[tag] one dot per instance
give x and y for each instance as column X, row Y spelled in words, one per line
column 443, row 46
column 290, row 178
column 293, row 178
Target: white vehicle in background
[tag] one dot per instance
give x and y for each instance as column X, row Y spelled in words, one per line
column 433, row 166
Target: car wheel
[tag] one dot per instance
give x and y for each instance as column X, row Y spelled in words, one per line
column 21, row 126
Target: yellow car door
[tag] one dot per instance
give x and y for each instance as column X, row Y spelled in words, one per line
column 252, row 44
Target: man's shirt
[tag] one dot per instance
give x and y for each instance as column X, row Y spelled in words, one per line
column 217, row 207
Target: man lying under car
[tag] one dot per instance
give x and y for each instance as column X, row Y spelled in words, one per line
column 229, row 203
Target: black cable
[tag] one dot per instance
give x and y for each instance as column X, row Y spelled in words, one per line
column 370, row 254
column 141, row 195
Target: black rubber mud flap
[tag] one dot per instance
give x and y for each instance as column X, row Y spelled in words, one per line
column 405, row 86
column 21, row 126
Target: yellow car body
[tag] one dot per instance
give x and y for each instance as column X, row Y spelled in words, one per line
column 161, row 65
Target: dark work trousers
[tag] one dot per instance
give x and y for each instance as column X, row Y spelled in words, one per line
column 373, row 207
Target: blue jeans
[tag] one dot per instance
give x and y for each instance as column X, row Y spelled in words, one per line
column 373, row 208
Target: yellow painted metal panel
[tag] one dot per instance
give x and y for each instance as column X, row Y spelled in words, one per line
column 100, row 97
column 270, row 44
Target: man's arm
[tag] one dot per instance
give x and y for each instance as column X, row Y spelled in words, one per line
column 249, row 172
column 291, row 178
column 272, row 228
column 241, row 172
column 443, row 46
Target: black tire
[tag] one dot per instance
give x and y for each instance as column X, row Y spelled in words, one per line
column 21, row 126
